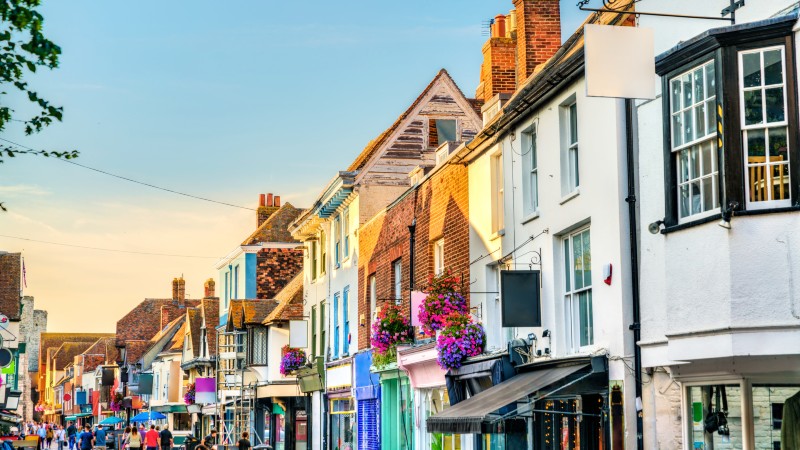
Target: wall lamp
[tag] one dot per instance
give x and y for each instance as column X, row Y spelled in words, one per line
column 655, row 227
column 727, row 215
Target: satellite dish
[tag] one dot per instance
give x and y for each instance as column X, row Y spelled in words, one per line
column 5, row 357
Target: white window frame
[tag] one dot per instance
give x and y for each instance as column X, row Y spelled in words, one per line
column 337, row 241
column 323, row 254
column 372, row 285
column 764, row 126
column 438, row 257
column 397, row 269
column 531, row 168
column 442, row 154
column 346, row 233
column 689, row 154
column 572, row 295
column 498, row 192
column 312, row 251
column 570, row 157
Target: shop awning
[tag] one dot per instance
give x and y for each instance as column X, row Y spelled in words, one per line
column 170, row 408
column 468, row 415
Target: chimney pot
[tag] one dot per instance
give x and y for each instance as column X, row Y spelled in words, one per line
column 269, row 199
column 277, row 201
column 209, row 288
column 500, row 26
column 261, row 199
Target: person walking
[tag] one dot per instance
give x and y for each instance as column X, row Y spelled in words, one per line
column 244, row 442
column 166, row 438
column 61, row 436
column 42, row 433
column 86, row 438
column 142, row 433
column 72, row 434
column 151, row 438
column 210, row 441
column 100, row 437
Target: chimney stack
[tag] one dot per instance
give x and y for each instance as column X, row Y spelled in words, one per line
column 498, row 71
column 266, row 206
column 179, row 289
column 209, row 288
column 168, row 314
column 538, row 34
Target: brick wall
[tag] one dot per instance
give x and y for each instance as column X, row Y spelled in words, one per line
column 498, row 71
column 440, row 205
column 538, row 34
column 275, row 269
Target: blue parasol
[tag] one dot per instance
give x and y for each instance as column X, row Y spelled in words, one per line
column 148, row 416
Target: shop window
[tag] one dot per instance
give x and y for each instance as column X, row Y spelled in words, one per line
column 343, row 423
column 181, row 422
column 769, row 404
column 715, row 413
column 436, row 401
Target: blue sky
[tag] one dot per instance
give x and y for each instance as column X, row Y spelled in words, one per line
column 220, row 99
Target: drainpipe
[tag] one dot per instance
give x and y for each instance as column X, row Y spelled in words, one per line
column 411, row 240
column 633, row 227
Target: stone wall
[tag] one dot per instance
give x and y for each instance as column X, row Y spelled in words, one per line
column 33, row 322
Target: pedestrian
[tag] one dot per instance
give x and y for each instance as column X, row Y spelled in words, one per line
column 166, row 438
column 244, row 442
column 42, row 433
column 72, row 434
column 134, row 438
column 100, row 437
column 61, row 436
column 151, row 438
column 142, row 432
column 86, row 439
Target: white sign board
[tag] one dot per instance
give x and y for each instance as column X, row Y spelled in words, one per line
column 298, row 334
column 619, row 62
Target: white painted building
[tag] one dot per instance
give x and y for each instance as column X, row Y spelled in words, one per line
column 720, row 306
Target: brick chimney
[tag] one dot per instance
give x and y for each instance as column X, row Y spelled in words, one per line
column 538, row 34
column 267, row 204
column 209, row 288
column 168, row 314
column 179, row 289
column 498, row 71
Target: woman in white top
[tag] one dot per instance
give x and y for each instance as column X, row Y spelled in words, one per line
column 61, row 437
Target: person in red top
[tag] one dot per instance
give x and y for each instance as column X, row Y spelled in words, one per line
column 151, row 438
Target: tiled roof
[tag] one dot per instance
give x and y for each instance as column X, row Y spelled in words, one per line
column 54, row 340
column 290, row 302
column 210, row 309
column 242, row 312
column 276, row 227
column 105, row 347
column 92, row 362
column 144, row 321
column 376, row 143
column 195, row 319
column 176, row 343
column 134, row 350
column 67, row 352
column 10, row 284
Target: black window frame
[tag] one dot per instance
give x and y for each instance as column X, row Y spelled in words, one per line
column 723, row 45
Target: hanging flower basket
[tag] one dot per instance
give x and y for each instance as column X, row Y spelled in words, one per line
column 293, row 359
column 189, row 396
column 116, row 402
column 391, row 328
column 458, row 340
column 444, row 298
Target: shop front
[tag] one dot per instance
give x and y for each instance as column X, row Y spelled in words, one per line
column 558, row 404
column 284, row 418
column 367, row 393
column 312, row 385
column 396, row 415
column 341, row 406
column 430, row 396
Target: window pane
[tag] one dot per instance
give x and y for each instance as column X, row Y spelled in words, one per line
column 586, row 325
column 751, row 69
column 687, row 126
column 775, row 110
column 755, row 145
column 699, row 399
column 696, row 199
column 684, row 200
column 708, row 194
column 577, row 261
column 567, row 272
column 778, row 149
column 699, row 91
column 676, row 95
column 773, row 67
column 573, row 123
column 686, row 80
column 757, row 176
column 694, row 163
column 683, row 166
column 752, row 108
column 587, row 259
column 711, row 121
column 707, row 165
column 768, row 404
column 446, row 130
column 677, row 130
column 700, row 120
column 780, row 181
column 711, row 81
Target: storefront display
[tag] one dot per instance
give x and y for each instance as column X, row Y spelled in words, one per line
column 342, row 423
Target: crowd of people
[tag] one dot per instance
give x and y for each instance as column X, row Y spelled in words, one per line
column 52, row 436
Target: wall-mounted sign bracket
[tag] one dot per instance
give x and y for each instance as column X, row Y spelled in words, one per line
column 609, row 6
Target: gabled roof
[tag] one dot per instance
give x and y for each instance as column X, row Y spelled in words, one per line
column 104, row 347
column 276, row 227
column 67, row 352
column 144, row 321
column 195, row 321
column 290, row 302
column 135, row 350
column 92, row 362
column 210, row 309
column 10, row 284
column 55, row 340
column 243, row 312
column 374, row 145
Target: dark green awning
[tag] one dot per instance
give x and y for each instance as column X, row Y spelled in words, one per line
column 170, row 408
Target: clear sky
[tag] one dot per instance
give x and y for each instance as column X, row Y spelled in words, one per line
column 219, row 99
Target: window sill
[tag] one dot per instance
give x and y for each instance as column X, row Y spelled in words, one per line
column 717, row 217
column 570, row 196
column 497, row 234
column 530, row 217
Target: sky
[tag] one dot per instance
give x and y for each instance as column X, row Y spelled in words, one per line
column 224, row 100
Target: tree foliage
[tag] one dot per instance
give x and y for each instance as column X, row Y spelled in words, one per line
column 23, row 49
